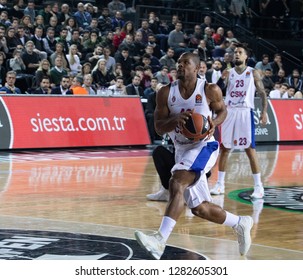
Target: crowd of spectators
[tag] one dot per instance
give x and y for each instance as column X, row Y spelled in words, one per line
column 57, row 49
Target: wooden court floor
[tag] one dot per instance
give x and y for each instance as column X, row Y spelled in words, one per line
column 102, row 192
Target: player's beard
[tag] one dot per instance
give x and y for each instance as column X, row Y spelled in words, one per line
column 239, row 62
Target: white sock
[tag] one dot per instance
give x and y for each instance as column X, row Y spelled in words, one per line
column 221, row 176
column 257, row 179
column 231, row 219
column 166, row 227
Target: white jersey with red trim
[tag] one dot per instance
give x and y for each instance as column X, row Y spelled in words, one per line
column 241, row 89
column 177, row 104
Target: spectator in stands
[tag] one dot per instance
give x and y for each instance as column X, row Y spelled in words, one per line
column 53, row 22
column 90, row 8
column 118, row 70
column 154, row 61
column 202, row 70
column 157, row 52
column 3, row 42
column 105, row 21
column 168, row 59
column 134, row 87
column 279, row 77
column 117, row 39
column 87, row 84
column 76, row 40
column 152, row 89
column 74, row 60
column 177, row 40
column 294, row 80
column 55, row 9
column 39, row 43
column 127, row 64
column 39, row 22
column 107, row 41
column 9, row 87
column 17, row 10
column 63, row 39
column 21, row 36
column 207, row 22
column 139, row 47
column 153, row 22
column 58, row 71
column 221, row 7
column 214, row 74
column 93, row 57
column 44, row 87
column 276, row 64
column 70, row 24
column 63, row 88
column 277, row 91
column 11, row 41
column 49, row 41
column 59, row 52
column 101, row 77
column 208, row 37
column 196, row 37
column 227, row 62
column 230, row 37
column 4, row 20
column 77, row 88
column 27, row 25
column 110, row 61
column 3, row 69
column 172, row 74
column 82, row 17
column 94, row 26
column 128, row 29
column 42, row 71
column 64, row 14
column 128, row 42
column 30, row 11
column 117, row 21
column 203, row 52
column 239, row 12
column 118, row 88
column 86, row 69
column 289, row 93
column 145, row 31
column 263, row 64
column 30, row 58
column 219, row 51
column 219, row 37
column 16, row 63
column 267, row 81
column 116, row 6
column 162, row 76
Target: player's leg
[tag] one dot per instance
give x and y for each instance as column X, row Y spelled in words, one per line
column 219, row 187
column 254, row 164
column 164, row 160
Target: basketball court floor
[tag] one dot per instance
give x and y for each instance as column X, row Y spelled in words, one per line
column 87, row 203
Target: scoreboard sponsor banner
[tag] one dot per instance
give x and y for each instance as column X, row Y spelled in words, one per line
column 71, row 121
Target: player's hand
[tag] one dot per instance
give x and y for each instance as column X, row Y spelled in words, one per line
column 263, row 118
column 183, row 117
column 212, row 127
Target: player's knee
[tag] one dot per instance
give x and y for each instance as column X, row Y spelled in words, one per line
column 176, row 187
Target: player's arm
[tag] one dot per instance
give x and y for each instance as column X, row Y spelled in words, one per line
column 163, row 121
column 216, row 104
column 261, row 91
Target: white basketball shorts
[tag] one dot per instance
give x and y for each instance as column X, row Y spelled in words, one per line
column 238, row 129
column 200, row 158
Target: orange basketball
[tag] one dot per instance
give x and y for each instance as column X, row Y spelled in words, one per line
column 196, row 127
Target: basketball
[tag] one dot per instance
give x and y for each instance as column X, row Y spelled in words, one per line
column 196, row 127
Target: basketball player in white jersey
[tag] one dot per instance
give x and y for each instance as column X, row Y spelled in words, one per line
column 238, row 131
column 193, row 159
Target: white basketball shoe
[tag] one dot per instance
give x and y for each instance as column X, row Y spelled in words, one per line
column 153, row 244
column 161, row 195
column 258, row 192
column 242, row 229
column 219, row 188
